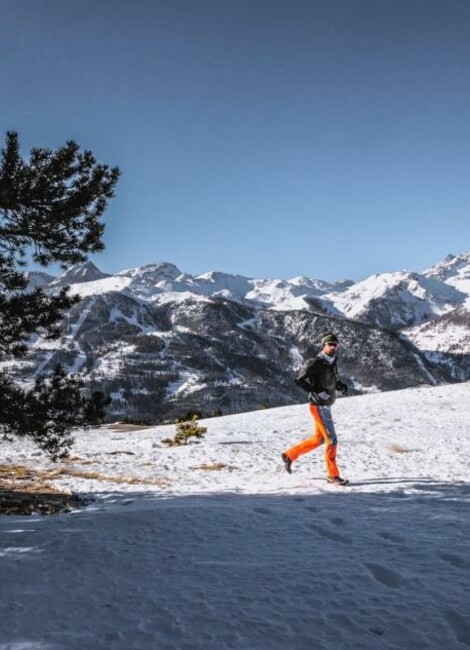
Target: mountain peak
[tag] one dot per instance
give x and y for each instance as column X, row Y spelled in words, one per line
column 78, row 273
column 157, row 270
column 38, row 279
column 450, row 267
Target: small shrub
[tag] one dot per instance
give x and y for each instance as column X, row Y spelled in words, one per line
column 185, row 431
column 189, row 415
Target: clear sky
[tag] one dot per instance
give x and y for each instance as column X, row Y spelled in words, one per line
column 270, row 138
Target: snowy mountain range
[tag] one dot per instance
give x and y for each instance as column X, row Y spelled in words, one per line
column 162, row 342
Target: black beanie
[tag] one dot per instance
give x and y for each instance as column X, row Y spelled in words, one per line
column 329, row 338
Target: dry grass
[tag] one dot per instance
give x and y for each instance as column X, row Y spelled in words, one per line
column 215, row 467
column 122, row 426
column 10, row 472
column 129, row 480
column 24, row 491
column 398, row 449
column 98, row 476
column 77, row 459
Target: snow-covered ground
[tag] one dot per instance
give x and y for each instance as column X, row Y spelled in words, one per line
column 246, row 556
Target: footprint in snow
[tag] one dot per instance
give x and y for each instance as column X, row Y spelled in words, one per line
column 456, row 560
column 330, row 534
column 311, row 508
column 392, row 537
column 386, row 576
column 338, row 521
column 460, row 626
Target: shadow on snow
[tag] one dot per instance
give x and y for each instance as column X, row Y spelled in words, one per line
column 251, row 572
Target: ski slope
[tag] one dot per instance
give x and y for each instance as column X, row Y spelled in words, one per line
column 246, row 556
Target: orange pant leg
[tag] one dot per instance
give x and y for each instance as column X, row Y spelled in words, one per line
column 330, row 446
column 304, row 446
column 320, row 436
column 330, row 459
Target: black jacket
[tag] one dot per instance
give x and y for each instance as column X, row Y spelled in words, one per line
column 320, row 379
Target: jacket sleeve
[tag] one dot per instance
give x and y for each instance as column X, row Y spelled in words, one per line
column 303, row 377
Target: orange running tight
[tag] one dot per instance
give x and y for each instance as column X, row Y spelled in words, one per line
column 324, row 433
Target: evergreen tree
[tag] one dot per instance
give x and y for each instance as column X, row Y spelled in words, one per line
column 50, row 210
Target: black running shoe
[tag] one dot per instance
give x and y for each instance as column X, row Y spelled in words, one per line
column 337, row 480
column 287, row 463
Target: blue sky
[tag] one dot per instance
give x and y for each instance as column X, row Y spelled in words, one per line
column 267, row 138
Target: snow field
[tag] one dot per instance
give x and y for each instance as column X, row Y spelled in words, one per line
column 248, row 557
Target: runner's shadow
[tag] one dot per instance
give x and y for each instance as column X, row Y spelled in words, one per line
column 393, row 480
column 423, row 484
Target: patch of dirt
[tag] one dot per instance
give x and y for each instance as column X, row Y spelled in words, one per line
column 215, row 467
column 15, row 502
column 115, row 453
column 398, row 449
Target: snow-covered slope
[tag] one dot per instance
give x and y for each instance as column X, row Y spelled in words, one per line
column 446, row 341
column 214, row 547
column 397, row 300
column 455, row 271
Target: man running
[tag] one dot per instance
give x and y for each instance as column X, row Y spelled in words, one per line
column 319, row 376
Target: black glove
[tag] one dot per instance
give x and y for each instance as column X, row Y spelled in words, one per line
column 342, row 387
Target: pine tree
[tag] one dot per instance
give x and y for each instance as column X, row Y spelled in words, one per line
column 50, row 210
column 186, row 430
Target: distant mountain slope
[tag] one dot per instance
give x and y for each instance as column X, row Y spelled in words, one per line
column 397, row 300
column 445, row 342
column 162, row 283
column 455, row 271
column 38, row 279
column 162, row 342
column 159, row 361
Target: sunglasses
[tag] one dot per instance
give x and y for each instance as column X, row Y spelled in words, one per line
column 333, row 345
